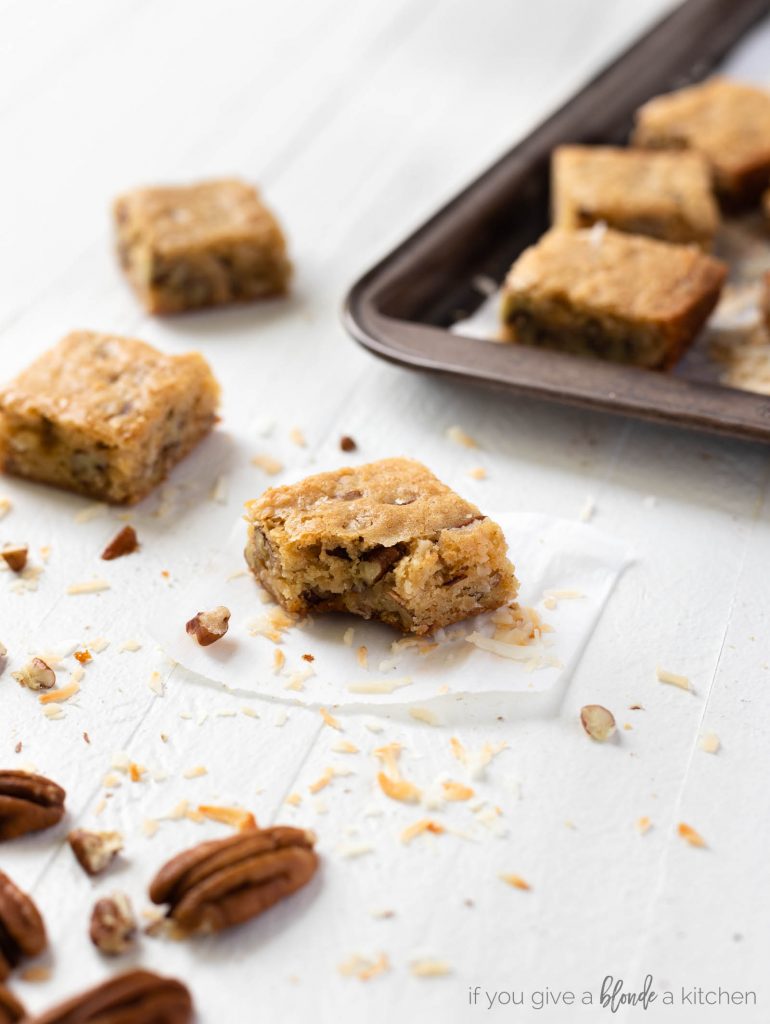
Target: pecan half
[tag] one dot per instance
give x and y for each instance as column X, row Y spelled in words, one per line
column 113, row 925
column 94, row 851
column 22, row 932
column 136, row 997
column 11, row 1010
column 125, row 542
column 208, row 627
column 28, row 803
column 227, row 881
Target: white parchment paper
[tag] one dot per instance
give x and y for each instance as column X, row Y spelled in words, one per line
column 567, row 571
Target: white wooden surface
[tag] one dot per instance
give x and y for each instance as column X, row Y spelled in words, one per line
column 359, row 119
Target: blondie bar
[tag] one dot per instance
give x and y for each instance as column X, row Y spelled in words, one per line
column 385, row 540
column 621, row 297
column 663, row 195
column 200, row 245
column 728, row 122
column 105, row 416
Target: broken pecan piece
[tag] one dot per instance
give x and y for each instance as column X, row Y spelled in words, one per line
column 113, row 925
column 11, row 1010
column 22, row 932
column 208, row 627
column 35, row 675
column 94, row 851
column 15, row 556
column 28, row 803
column 125, row 542
column 136, row 997
column 227, row 881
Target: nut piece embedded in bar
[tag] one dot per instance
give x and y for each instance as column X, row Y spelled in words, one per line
column 123, row 543
column 208, row 627
column 22, row 932
column 11, row 1010
column 113, row 925
column 94, row 851
column 136, row 997
column 36, row 675
column 227, row 881
column 28, row 803
column 15, row 556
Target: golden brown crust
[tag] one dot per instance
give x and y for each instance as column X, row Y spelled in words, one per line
column 105, row 416
column 663, row 195
column 623, row 297
column 728, row 122
column 185, row 247
column 386, row 539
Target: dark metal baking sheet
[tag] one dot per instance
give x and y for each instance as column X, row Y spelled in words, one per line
column 403, row 308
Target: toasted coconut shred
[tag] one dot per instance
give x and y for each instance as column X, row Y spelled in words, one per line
column 709, row 743
column 673, row 679
column 419, row 828
column 88, row 587
column 516, row 881
column 426, row 968
column 364, row 968
column 236, row 817
column 518, row 636
column 688, row 833
column 330, row 720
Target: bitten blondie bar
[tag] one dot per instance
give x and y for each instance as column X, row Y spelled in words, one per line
column 105, row 416
column 728, row 122
column 200, row 245
column 621, row 297
column 386, row 540
column 663, row 195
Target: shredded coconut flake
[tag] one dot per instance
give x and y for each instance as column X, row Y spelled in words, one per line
column 458, row 435
column 664, row 676
column 516, row 881
column 688, row 833
column 267, row 464
column 88, row 587
column 423, row 715
column 709, row 743
column 85, row 515
column 380, row 685
column 364, row 968
column 429, row 968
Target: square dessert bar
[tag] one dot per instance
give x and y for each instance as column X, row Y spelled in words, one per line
column 728, row 122
column 105, row 416
column 663, row 195
column 200, row 245
column 386, row 540
column 600, row 292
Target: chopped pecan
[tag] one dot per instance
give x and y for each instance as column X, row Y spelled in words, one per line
column 11, row 1010
column 94, row 851
column 227, row 881
column 22, row 932
column 136, row 997
column 113, row 925
column 125, row 542
column 15, row 556
column 208, row 627
column 36, row 675
column 28, row 803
